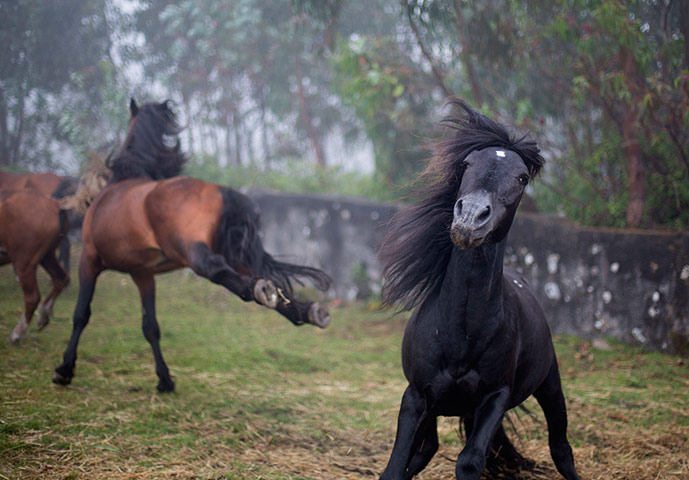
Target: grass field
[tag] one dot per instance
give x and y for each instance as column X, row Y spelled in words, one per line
column 258, row 398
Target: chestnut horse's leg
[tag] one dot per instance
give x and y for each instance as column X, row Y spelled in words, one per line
column 412, row 418
column 552, row 401
column 64, row 254
column 27, row 280
column 300, row 313
column 487, row 420
column 88, row 273
column 60, row 280
column 149, row 325
column 214, row 267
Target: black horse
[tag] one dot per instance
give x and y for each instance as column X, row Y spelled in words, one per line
column 148, row 220
column 477, row 343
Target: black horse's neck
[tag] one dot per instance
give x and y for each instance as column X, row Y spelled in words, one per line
column 471, row 292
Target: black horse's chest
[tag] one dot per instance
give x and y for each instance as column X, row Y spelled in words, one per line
column 444, row 360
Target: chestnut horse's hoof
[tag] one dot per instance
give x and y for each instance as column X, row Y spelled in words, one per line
column 266, row 293
column 60, row 380
column 319, row 315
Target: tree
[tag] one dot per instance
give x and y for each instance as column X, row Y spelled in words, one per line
column 37, row 71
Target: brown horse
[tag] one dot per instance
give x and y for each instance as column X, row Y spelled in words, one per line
column 50, row 185
column 147, row 221
column 46, row 183
column 31, row 226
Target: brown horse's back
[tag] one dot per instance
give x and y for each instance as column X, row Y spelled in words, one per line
column 145, row 225
column 46, row 183
column 29, row 221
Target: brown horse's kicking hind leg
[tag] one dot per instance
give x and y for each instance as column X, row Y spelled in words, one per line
column 60, row 279
column 214, row 267
column 149, row 325
column 27, row 280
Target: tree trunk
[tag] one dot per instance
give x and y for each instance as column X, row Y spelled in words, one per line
column 4, row 133
column 684, row 28
column 264, row 132
column 631, row 148
column 465, row 55
column 306, row 117
column 18, row 133
column 237, row 138
column 228, row 139
column 437, row 74
column 635, row 169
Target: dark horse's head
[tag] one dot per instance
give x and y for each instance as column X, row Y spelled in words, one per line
column 467, row 195
column 151, row 149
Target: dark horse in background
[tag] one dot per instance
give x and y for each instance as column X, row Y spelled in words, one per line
column 31, row 227
column 147, row 220
column 50, row 185
column 477, row 343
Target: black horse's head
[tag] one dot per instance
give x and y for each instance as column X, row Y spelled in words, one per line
column 467, row 195
column 151, row 148
column 492, row 184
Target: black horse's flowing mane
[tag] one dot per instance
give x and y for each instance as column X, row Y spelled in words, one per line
column 148, row 151
column 417, row 246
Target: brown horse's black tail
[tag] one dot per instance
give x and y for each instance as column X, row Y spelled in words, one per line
column 239, row 242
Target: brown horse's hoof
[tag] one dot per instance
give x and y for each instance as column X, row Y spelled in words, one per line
column 266, row 293
column 319, row 315
column 60, row 380
column 13, row 339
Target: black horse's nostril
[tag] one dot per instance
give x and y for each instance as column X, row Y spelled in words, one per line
column 483, row 215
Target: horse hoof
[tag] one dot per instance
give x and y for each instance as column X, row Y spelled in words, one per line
column 42, row 322
column 265, row 293
column 319, row 315
column 14, row 339
column 60, row 380
column 166, row 387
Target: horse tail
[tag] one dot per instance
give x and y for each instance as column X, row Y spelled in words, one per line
column 67, row 186
column 239, row 242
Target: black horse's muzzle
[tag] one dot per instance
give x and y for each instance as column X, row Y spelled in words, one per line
column 472, row 220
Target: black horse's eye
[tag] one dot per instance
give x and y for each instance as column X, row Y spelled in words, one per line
column 523, row 179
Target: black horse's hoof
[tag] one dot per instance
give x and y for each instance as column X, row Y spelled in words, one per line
column 266, row 293
column 319, row 315
column 166, row 387
column 61, row 380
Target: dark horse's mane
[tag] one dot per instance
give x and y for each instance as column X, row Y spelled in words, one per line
column 417, row 246
column 148, row 151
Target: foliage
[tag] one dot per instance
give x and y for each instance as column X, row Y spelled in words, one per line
column 602, row 85
column 45, row 45
column 293, row 176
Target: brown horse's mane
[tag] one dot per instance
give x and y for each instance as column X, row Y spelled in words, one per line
column 151, row 149
column 417, row 247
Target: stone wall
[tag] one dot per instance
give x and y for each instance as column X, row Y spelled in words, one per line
column 633, row 286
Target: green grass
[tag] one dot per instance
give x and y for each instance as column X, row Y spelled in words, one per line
column 258, row 398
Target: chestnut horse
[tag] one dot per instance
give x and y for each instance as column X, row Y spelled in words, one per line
column 147, row 220
column 478, row 343
column 31, row 227
column 50, row 185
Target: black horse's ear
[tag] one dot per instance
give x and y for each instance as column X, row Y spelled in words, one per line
column 133, row 108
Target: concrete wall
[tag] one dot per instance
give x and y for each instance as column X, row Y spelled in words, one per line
column 633, row 286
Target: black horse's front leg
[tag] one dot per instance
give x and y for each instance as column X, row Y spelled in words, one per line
column 149, row 325
column 487, row 419
column 411, row 421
